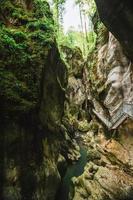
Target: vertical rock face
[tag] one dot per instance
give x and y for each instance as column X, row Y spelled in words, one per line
column 54, row 82
column 109, row 171
column 118, row 16
column 76, row 99
column 32, row 83
column 116, row 70
column 28, row 163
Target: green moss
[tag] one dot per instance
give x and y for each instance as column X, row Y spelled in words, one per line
column 15, row 93
column 13, row 12
column 102, row 34
column 40, row 7
column 26, row 36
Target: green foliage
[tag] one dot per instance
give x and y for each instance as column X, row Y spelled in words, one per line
column 92, row 7
column 102, row 33
column 11, row 12
column 14, row 93
column 41, row 9
column 40, row 25
column 91, row 41
column 24, row 46
column 86, row 7
column 85, row 39
column 75, row 38
column 58, row 7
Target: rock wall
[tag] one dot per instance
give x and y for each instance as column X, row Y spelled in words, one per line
column 109, row 171
column 29, row 162
column 116, row 69
column 118, row 16
column 75, row 111
column 32, row 82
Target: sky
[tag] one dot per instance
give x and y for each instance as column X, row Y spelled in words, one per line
column 71, row 16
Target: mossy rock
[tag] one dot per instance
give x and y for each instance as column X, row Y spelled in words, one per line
column 84, row 126
column 26, row 37
column 74, row 59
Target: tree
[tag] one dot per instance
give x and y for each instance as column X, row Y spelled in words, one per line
column 58, row 9
column 87, row 9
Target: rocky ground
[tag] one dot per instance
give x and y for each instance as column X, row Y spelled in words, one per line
column 109, row 171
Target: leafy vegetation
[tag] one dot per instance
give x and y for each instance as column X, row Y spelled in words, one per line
column 27, row 33
column 25, row 39
column 85, row 38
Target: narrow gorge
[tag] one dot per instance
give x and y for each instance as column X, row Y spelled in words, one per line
column 66, row 100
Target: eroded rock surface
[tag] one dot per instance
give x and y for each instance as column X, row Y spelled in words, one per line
column 109, row 172
column 118, row 16
column 33, row 80
column 117, row 75
column 75, row 111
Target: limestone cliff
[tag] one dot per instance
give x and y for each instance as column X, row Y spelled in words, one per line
column 75, row 110
column 116, row 69
column 118, row 16
column 32, row 82
column 109, row 171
